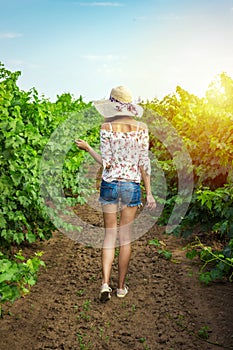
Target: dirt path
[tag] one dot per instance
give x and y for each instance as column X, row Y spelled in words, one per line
column 164, row 310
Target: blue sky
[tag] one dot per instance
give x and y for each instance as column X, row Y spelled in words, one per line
column 87, row 47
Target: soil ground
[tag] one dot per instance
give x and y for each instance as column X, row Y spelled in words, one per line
column 166, row 307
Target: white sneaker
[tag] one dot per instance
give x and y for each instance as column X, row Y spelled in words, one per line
column 121, row 293
column 105, row 291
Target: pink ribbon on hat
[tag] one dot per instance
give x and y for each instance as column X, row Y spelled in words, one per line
column 130, row 107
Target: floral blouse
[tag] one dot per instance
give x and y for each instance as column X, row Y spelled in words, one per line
column 123, row 153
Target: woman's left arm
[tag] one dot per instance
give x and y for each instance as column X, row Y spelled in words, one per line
column 86, row 147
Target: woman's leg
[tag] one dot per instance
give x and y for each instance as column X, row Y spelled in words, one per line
column 126, row 221
column 108, row 251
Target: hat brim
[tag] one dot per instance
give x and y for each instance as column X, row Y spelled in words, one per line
column 109, row 109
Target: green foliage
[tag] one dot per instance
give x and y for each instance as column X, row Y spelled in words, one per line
column 216, row 264
column 18, row 276
column 84, row 341
column 203, row 332
column 212, row 210
column 218, row 207
column 167, row 254
column 205, row 126
column 26, row 126
column 155, row 242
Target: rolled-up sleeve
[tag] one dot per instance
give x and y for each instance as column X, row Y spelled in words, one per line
column 105, row 149
column 144, row 160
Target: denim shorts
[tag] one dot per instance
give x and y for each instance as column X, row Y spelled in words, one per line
column 119, row 192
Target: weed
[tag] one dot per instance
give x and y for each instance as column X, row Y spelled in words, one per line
column 190, row 273
column 92, row 278
column 86, row 305
column 83, row 313
column 146, row 347
column 107, row 338
column 82, row 344
column 165, row 253
column 124, row 304
column 80, row 292
column 101, row 331
column 117, row 251
column 101, row 335
column 203, row 332
column 142, row 340
column 84, row 316
column 80, row 341
column 155, row 242
column 133, row 308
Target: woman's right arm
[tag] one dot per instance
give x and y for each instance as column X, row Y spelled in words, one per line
column 145, row 168
column 149, row 196
column 86, row 147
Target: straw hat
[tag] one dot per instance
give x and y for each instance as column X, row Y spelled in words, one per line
column 119, row 104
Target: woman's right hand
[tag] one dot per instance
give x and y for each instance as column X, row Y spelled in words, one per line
column 151, row 204
column 82, row 145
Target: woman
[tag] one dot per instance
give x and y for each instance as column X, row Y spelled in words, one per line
column 124, row 156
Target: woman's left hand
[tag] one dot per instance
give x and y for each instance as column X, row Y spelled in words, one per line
column 151, row 204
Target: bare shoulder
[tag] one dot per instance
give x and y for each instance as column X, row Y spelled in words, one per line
column 142, row 126
column 105, row 126
column 123, row 126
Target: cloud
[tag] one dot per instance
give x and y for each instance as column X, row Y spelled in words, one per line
column 107, row 69
column 10, row 35
column 107, row 64
column 103, row 4
column 171, row 17
column 103, row 58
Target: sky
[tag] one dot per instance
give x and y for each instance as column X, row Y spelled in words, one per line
column 87, row 47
